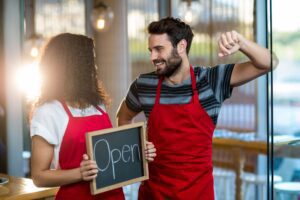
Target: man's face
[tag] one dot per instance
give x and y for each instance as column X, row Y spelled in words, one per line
column 163, row 55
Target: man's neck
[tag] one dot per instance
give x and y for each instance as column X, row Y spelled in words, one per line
column 180, row 76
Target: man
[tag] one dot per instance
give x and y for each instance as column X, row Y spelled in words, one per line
column 182, row 103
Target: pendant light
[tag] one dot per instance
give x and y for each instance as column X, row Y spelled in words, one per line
column 33, row 42
column 189, row 11
column 102, row 17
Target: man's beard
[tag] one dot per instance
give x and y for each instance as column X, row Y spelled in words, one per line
column 172, row 64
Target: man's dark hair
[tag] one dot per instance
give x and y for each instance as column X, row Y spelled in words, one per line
column 175, row 29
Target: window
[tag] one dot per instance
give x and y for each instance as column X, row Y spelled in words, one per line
column 140, row 14
column 218, row 16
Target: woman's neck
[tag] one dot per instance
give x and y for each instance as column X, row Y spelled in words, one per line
column 77, row 104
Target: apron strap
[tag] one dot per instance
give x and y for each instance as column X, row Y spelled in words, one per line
column 158, row 89
column 100, row 110
column 66, row 108
column 194, row 87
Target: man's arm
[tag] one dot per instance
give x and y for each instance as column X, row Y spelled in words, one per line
column 260, row 57
column 125, row 114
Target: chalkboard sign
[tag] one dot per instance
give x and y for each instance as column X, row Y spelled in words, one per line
column 119, row 154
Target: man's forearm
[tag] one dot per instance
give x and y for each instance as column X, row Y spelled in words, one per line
column 124, row 115
column 121, row 121
column 258, row 55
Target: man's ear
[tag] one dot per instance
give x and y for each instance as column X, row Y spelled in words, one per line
column 181, row 46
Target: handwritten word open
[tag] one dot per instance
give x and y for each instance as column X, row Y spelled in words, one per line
column 125, row 155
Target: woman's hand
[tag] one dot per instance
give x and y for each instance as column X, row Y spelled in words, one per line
column 150, row 151
column 88, row 168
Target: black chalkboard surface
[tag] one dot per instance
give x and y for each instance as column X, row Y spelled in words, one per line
column 119, row 154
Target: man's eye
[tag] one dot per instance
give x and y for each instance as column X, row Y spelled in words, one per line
column 159, row 49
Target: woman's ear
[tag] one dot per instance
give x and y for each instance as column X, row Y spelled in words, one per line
column 181, row 46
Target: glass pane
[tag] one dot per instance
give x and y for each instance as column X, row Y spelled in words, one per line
column 238, row 114
column 69, row 13
column 140, row 14
column 286, row 99
column 235, row 154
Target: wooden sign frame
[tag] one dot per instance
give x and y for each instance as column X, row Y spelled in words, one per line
column 142, row 142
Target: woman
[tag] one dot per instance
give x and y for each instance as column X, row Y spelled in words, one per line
column 71, row 103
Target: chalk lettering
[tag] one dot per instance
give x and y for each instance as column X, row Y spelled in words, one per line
column 115, row 156
column 125, row 149
column 138, row 151
column 108, row 161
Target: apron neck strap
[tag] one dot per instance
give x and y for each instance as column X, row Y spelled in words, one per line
column 194, row 88
column 100, row 109
column 158, row 89
column 66, row 108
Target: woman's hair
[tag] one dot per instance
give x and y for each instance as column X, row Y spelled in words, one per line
column 175, row 29
column 69, row 72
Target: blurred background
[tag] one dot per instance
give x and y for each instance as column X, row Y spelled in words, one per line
column 258, row 128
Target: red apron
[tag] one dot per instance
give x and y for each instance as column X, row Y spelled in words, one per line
column 73, row 147
column 182, row 135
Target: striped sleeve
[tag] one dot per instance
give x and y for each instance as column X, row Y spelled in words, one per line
column 219, row 80
column 132, row 99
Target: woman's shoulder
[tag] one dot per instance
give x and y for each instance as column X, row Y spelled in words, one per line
column 51, row 108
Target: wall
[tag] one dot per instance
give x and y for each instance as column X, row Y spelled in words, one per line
column 12, row 60
column 112, row 56
column 3, row 152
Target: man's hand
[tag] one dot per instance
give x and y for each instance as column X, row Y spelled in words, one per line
column 150, row 151
column 229, row 43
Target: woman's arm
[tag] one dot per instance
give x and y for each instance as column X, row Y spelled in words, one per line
column 43, row 176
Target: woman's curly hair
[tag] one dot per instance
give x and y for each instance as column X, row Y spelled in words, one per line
column 69, row 72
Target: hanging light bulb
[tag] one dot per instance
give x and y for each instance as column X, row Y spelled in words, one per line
column 102, row 17
column 33, row 41
column 32, row 45
column 34, row 52
column 188, row 17
column 189, row 11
